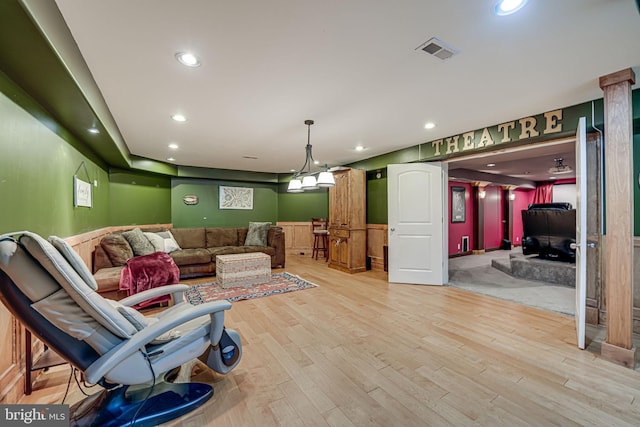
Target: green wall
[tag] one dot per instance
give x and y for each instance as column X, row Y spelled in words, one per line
column 301, row 207
column 207, row 214
column 138, row 198
column 37, row 166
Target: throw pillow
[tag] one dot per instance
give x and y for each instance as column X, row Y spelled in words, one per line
column 156, row 241
column 170, row 243
column 257, row 234
column 117, row 249
column 139, row 242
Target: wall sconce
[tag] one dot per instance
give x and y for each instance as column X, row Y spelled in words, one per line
column 482, row 194
column 512, row 196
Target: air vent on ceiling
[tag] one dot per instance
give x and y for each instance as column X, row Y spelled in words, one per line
column 438, row 48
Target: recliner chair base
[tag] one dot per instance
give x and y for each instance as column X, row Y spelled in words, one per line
column 117, row 407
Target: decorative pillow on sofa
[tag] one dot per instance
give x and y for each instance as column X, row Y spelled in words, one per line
column 117, row 249
column 170, row 243
column 139, row 242
column 257, row 234
column 156, row 240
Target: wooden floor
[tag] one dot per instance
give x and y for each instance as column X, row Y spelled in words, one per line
column 358, row 351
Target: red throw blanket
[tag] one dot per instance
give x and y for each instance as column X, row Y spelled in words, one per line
column 149, row 271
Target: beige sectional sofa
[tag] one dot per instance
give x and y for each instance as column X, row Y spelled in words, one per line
column 196, row 256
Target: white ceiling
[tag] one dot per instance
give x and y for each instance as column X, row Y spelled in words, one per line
column 352, row 66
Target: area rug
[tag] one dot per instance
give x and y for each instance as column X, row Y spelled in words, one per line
column 280, row 283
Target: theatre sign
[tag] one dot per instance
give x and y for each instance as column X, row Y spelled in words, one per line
column 503, row 133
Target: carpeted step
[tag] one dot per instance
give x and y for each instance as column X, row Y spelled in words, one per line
column 533, row 268
column 503, row 265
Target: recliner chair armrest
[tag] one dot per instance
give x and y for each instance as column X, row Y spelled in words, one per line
column 177, row 292
column 110, row 359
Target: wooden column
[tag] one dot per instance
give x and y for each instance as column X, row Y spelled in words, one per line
column 618, row 251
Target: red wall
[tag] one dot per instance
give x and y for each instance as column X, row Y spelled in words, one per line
column 521, row 203
column 493, row 226
column 459, row 229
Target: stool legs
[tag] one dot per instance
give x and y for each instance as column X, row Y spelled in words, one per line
column 319, row 244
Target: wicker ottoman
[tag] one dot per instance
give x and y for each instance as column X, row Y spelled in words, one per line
column 243, row 269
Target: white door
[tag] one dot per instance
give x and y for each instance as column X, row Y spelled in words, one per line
column 417, row 206
column 581, row 230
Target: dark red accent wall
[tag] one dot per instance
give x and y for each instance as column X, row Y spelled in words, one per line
column 521, row 202
column 493, row 227
column 459, row 229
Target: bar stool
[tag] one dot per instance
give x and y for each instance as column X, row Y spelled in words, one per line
column 320, row 237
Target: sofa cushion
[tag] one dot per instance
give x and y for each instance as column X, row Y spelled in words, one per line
column 222, row 236
column 138, row 242
column 108, row 279
column 264, row 249
column 191, row 256
column 225, row 250
column 190, row 238
column 257, row 234
column 117, row 248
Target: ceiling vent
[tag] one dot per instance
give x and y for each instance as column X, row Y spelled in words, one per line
column 438, row 48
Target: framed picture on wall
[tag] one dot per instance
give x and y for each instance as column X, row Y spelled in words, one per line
column 236, row 198
column 81, row 193
column 458, row 204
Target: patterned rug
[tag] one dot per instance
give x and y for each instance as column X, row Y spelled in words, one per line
column 280, row 283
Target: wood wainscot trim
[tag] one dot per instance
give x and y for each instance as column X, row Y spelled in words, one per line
column 298, row 237
column 377, row 240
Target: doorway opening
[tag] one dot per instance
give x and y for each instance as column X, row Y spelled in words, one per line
column 507, row 179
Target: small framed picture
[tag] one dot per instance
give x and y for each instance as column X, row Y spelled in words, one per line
column 81, row 193
column 458, row 204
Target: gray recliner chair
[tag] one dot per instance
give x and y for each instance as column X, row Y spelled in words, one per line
column 47, row 286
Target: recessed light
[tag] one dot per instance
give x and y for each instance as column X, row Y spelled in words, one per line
column 93, row 130
column 490, row 165
column 179, row 118
column 188, row 59
column 171, row 159
column 429, row 125
column 507, row 7
column 552, row 177
column 359, row 148
column 173, row 146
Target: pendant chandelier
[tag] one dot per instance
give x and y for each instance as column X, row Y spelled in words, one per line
column 304, row 179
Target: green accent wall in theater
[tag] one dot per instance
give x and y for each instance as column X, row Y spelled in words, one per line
column 207, row 213
column 37, row 165
column 138, row 198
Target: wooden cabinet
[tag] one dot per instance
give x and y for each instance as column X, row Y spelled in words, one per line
column 347, row 221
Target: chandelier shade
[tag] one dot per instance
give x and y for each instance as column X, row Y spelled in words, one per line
column 305, row 179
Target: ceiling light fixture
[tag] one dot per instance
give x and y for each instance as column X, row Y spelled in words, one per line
column 429, row 125
column 173, row 146
column 188, row 59
column 93, row 131
column 560, row 167
column 490, row 165
column 507, row 7
column 304, row 179
column 179, row 118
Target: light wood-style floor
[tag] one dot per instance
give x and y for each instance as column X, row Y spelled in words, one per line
column 358, row 351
